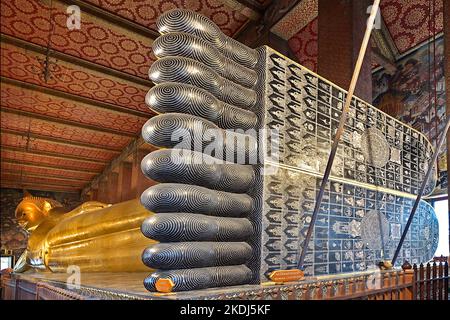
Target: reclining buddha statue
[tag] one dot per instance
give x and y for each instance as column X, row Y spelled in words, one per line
column 244, row 136
column 94, row 236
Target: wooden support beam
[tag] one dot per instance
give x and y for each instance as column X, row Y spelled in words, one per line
column 56, row 184
column 254, row 33
column 53, row 177
column 248, row 8
column 39, row 187
column 60, row 141
column 66, row 122
column 34, row 165
column 447, row 80
column 53, row 155
column 76, row 98
column 136, row 144
column 379, row 58
column 75, row 60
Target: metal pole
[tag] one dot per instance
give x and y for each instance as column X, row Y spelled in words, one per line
column 340, row 130
column 422, row 188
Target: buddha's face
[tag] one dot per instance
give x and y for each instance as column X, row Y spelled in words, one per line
column 30, row 213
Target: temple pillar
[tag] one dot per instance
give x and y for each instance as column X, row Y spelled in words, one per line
column 94, row 194
column 102, row 187
column 139, row 182
column 124, row 181
column 341, row 25
column 447, row 77
column 111, row 189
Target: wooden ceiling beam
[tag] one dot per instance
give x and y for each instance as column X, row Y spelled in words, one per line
column 34, row 175
column 75, row 60
column 60, row 141
column 67, row 122
column 249, row 8
column 77, row 98
column 254, row 33
column 54, row 155
column 113, row 18
column 46, row 166
column 40, row 187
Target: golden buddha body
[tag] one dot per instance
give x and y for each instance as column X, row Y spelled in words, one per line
column 96, row 237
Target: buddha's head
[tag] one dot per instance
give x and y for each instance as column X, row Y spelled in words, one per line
column 32, row 211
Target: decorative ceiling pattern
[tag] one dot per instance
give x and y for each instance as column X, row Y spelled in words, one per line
column 97, row 73
column 304, row 45
column 54, row 172
column 44, row 104
column 146, row 12
column 29, row 157
column 20, row 64
column 92, row 105
column 18, row 178
column 63, row 132
column 409, row 23
column 296, row 19
column 98, row 41
column 17, row 141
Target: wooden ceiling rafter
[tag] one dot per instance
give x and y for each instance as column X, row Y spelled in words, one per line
column 41, row 165
column 61, row 141
column 54, row 155
column 40, row 187
column 76, row 98
column 113, row 18
column 255, row 31
column 4, row 38
column 54, row 177
column 49, row 181
column 66, row 122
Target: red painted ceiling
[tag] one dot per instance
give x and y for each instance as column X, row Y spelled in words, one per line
column 93, row 105
column 408, row 23
column 77, row 119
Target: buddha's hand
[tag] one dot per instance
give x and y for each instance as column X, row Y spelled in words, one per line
column 204, row 92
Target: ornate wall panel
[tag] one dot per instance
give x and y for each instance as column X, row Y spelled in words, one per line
column 271, row 181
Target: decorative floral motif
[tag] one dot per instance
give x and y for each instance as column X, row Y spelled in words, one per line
column 304, row 45
column 20, row 64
